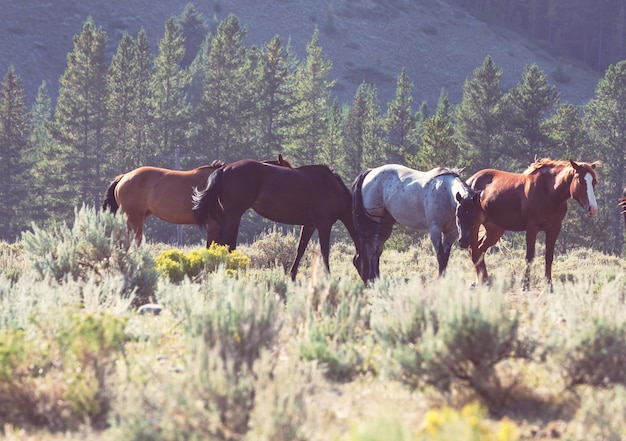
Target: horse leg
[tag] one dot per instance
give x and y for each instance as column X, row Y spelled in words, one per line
column 443, row 254
column 305, row 235
column 551, row 237
column 212, row 232
column 531, row 238
column 228, row 232
column 480, row 246
column 324, row 238
column 134, row 223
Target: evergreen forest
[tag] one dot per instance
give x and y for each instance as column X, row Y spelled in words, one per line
column 209, row 95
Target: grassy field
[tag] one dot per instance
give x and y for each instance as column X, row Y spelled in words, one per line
column 246, row 354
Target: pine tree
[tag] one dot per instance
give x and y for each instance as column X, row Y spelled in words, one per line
column 605, row 115
column 128, row 109
column 312, row 95
column 332, row 146
column 568, row 133
column 400, row 121
column 194, row 29
column 275, row 98
column 225, row 108
column 480, row 119
column 121, row 99
column 42, row 155
column 143, row 142
column 439, row 146
column 13, row 152
column 363, row 135
column 531, row 101
column 79, row 121
column 168, row 84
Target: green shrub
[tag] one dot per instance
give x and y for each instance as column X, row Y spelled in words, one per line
column 454, row 338
column 176, row 264
column 274, row 248
column 595, row 356
column 336, row 329
column 57, row 375
column 98, row 244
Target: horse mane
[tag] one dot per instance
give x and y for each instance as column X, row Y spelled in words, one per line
column 545, row 163
column 442, row 171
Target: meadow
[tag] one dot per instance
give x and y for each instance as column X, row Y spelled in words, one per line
column 234, row 350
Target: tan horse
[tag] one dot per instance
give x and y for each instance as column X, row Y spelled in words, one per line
column 161, row 192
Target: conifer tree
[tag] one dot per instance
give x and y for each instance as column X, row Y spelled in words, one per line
column 275, row 98
column 363, row 132
column 121, row 98
column 42, row 158
column 128, row 109
column 400, row 121
column 532, row 101
column 568, row 133
column 13, row 152
column 168, row 83
column 225, row 109
column 79, row 121
column 332, row 152
column 439, row 146
column 142, row 139
column 605, row 115
column 38, row 124
column 480, row 119
column 312, row 95
column 194, row 29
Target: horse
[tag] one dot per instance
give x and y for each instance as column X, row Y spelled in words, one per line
column 533, row 201
column 164, row 193
column 437, row 200
column 313, row 196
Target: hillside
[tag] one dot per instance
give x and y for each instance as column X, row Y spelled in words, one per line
column 366, row 40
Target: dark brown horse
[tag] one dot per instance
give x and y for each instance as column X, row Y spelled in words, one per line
column 161, row 192
column 533, row 201
column 312, row 196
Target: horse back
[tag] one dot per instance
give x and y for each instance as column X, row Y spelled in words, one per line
column 514, row 201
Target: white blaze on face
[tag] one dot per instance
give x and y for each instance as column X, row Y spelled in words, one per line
column 591, row 196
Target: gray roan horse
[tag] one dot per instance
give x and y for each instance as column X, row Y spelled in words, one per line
column 438, row 201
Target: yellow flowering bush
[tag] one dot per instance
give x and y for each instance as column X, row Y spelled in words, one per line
column 468, row 424
column 176, row 264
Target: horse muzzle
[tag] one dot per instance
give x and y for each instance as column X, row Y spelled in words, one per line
column 591, row 210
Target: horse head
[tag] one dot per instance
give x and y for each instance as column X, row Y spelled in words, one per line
column 583, row 185
column 467, row 210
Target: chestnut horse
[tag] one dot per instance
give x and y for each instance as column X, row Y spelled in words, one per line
column 533, row 201
column 161, row 192
column 437, row 200
column 313, row 196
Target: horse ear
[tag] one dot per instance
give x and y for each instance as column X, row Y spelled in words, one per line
column 574, row 165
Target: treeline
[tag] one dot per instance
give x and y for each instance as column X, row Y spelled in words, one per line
column 211, row 97
column 589, row 30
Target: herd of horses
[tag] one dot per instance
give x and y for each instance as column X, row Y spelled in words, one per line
column 476, row 211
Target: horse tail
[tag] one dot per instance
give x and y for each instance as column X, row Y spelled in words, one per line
column 109, row 202
column 206, row 202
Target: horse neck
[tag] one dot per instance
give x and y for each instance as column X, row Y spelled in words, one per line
column 458, row 186
column 562, row 182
